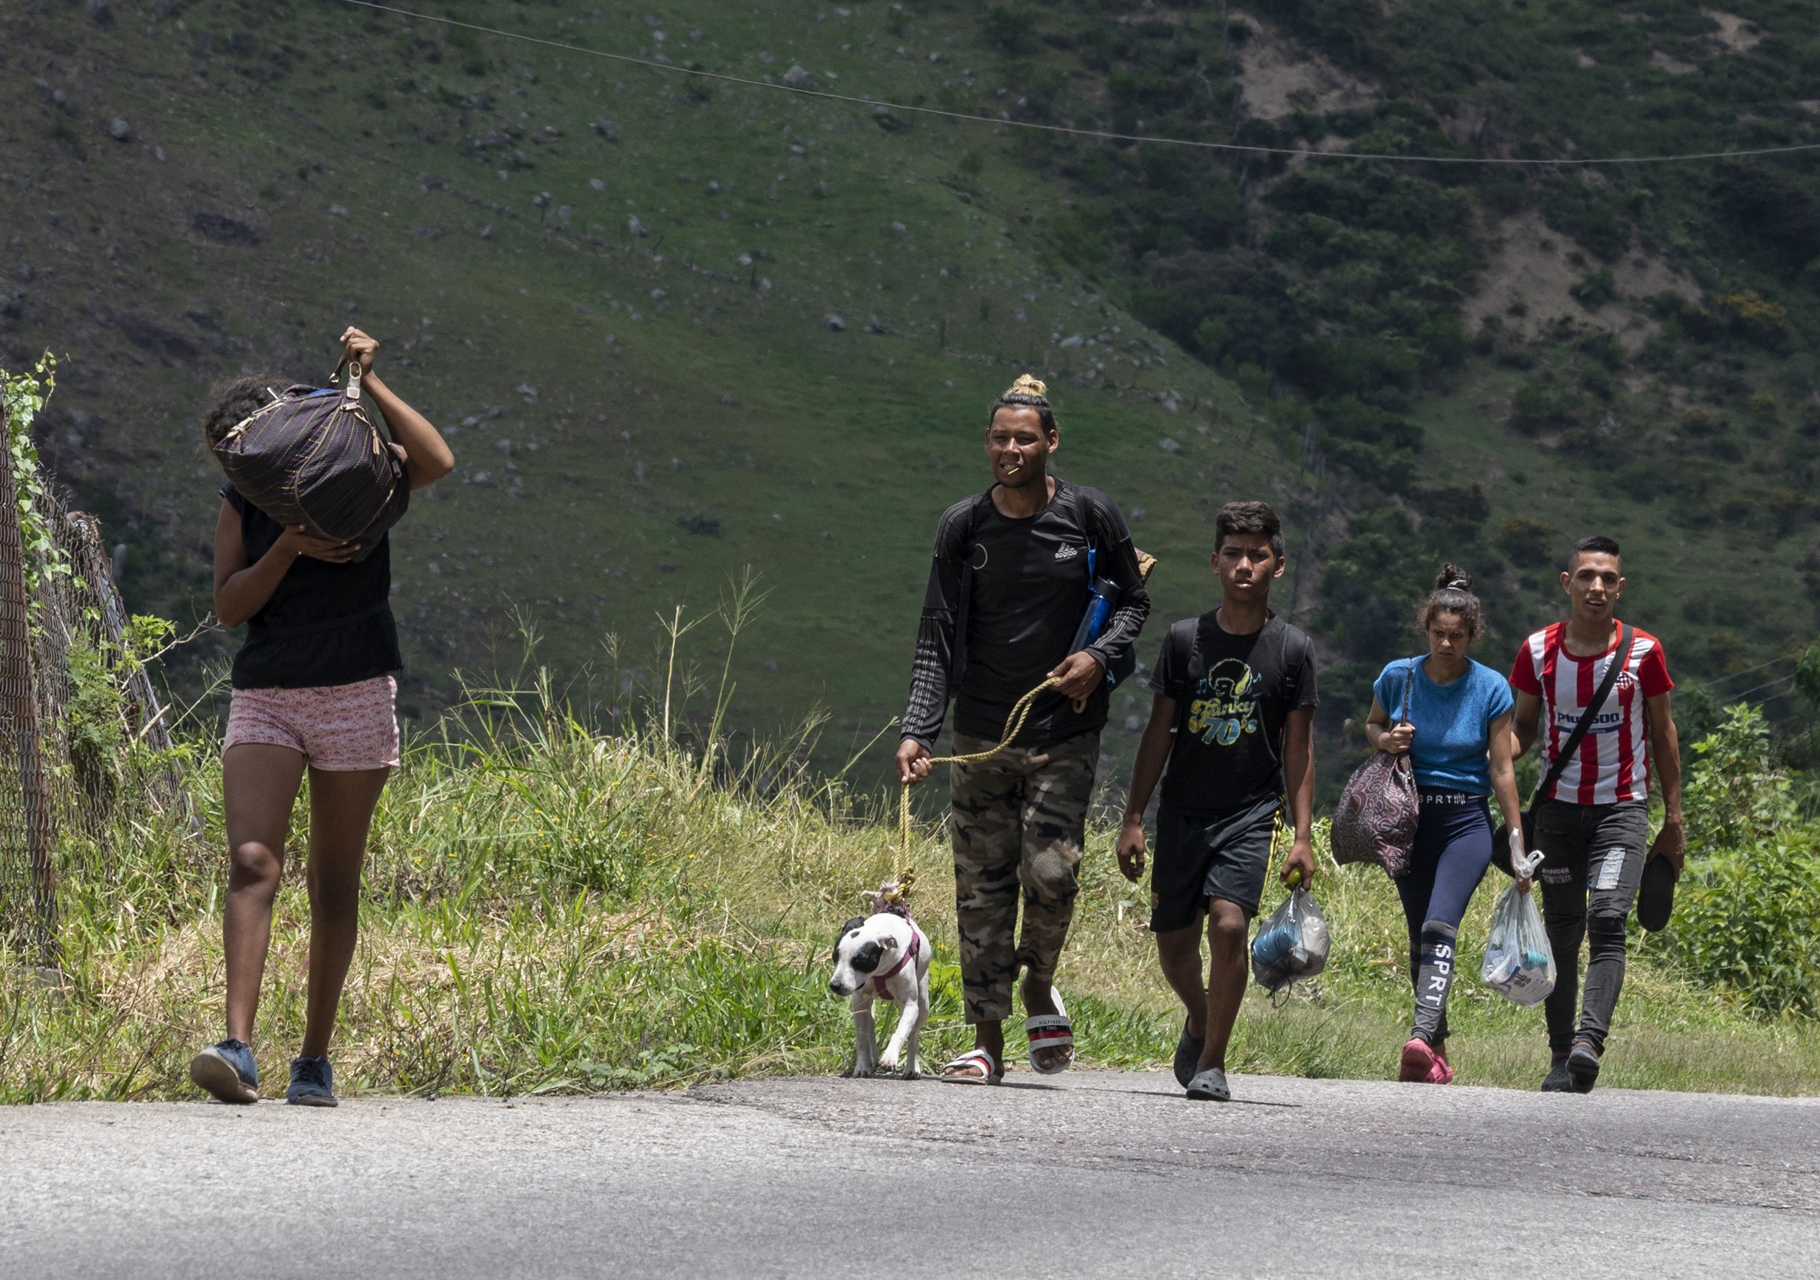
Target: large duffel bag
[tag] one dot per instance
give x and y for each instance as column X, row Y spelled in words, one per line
column 314, row 458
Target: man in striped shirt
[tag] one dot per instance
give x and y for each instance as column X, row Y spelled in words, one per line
column 1593, row 826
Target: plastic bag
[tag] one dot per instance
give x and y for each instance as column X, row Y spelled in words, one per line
column 1291, row 944
column 1519, row 963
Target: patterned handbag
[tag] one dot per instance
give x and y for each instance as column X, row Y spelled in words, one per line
column 314, row 458
column 1376, row 818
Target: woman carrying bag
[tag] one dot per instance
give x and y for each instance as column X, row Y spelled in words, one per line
column 1457, row 736
column 313, row 693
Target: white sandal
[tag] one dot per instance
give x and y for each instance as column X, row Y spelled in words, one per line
column 1050, row 1031
column 974, row 1058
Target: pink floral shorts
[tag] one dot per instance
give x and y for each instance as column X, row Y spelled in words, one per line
column 341, row 728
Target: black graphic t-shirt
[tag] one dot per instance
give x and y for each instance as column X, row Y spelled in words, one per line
column 1233, row 695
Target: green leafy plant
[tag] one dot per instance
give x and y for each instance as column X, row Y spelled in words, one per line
column 1736, row 795
column 1750, row 920
column 1748, row 913
column 93, row 723
column 25, row 397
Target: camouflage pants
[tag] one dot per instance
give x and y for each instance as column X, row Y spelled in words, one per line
column 1019, row 820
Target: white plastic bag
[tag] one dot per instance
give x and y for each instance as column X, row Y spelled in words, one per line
column 1519, row 963
column 1290, row 945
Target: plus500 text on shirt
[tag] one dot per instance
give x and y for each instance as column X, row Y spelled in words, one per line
column 1612, row 763
column 1452, row 722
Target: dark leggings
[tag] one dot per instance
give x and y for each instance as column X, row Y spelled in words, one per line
column 1453, row 848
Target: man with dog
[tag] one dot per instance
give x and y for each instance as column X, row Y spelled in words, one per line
column 1592, row 826
column 1233, row 718
column 1006, row 595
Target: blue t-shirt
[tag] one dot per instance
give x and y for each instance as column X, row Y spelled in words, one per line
column 1452, row 721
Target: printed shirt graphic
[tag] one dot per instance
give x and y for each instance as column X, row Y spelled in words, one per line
column 1225, row 703
column 1228, row 752
column 1612, row 762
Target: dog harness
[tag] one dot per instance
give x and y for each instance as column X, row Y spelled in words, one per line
column 910, row 953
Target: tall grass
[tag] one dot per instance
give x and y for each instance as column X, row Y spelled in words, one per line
column 555, row 906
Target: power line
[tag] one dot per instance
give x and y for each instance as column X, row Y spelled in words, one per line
column 1102, row 134
column 1734, row 675
column 1771, row 685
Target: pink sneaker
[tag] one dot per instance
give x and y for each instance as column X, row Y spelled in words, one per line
column 1422, row 1065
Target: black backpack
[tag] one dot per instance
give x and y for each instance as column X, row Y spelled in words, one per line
column 314, row 458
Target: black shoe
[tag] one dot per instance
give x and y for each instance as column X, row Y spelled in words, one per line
column 1209, row 1085
column 1187, row 1055
column 1557, row 1080
column 1583, row 1066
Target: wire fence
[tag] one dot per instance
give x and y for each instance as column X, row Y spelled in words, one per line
column 82, row 731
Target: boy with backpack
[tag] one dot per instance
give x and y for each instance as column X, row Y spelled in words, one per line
column 1233, row 717
column 1605, row 688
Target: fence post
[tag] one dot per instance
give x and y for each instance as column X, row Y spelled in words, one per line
column 19, row 705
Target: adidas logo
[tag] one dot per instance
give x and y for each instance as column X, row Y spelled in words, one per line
column 1067, row 551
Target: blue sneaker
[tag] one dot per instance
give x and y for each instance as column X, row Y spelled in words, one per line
column 312, row 1083
column 228, row 1071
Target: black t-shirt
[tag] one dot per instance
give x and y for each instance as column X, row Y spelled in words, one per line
column 326, row 624
column 1028, row 592
column 1233, row 695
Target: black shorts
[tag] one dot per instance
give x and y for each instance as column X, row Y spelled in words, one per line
column 1201, row 856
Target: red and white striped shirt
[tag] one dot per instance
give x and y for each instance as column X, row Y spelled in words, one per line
column 1612, row 760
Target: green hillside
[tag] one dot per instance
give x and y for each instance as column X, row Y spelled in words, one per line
column 677, row 327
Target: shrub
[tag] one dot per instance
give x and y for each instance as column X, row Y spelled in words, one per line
column 1594, row 289
column 1735, row 796
column 1526, row 541
column 1530, row 410
column 1701, row 422
column 1754, row 317
column 1748, row 912
column 1787, row 508
column 1459, row 510
column 1750, row 920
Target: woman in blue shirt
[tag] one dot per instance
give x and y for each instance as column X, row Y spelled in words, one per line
column 1458, row 739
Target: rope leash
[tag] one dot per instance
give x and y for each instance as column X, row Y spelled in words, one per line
column 905, row 875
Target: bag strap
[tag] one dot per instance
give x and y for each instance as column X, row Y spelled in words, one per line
column 1409, row 681
column 1071, row 495
column 957, row 654
column 1620, row 659
column 1182, row 637
column 352, row 389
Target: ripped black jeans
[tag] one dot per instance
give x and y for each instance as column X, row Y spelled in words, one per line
column 1592, row 863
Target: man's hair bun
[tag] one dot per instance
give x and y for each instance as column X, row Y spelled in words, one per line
column 1026, row 393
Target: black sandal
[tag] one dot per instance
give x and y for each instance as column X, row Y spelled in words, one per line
column 1187, row 1055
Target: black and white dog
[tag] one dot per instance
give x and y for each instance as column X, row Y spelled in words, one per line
column 883, row 956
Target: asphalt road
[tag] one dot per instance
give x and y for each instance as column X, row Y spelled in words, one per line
column 1100, row 1174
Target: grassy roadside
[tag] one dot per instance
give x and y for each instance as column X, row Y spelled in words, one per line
column 555, row 909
